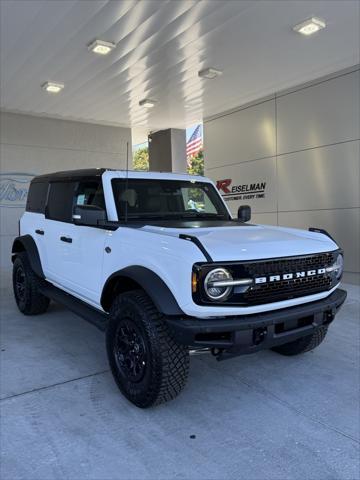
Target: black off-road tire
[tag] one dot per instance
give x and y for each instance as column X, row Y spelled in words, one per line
column 304, row 344
column 28, row 298
column 154, row 368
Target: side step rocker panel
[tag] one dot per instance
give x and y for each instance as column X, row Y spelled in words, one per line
column 80, row 308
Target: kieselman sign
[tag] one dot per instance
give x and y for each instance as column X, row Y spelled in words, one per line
column 14, row 188
column 247, row 191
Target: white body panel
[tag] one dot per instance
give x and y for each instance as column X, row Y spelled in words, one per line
column 251, row 242
column 82, row 267
column 172, row 259
column 29, row 223
column 77, row 266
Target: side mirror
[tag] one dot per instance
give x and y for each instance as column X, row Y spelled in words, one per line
column 244, row 213
column 90, row 215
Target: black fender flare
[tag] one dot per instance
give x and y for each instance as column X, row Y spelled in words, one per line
column 150, row 282
column 25, row 243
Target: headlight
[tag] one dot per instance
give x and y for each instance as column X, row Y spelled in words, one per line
column 339, row 266
column 211, row 284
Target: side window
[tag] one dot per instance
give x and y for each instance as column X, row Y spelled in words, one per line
column 90, row 193
column 60, row 201
column 37, row 197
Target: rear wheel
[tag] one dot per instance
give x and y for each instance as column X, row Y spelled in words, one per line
column 148, row 366
column 26, row 285
column 304, row 344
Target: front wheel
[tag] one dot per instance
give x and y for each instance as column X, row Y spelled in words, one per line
column 304, row 344
column 148, row 366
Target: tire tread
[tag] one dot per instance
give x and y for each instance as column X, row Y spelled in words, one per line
column 303, row 345
column 172, row 359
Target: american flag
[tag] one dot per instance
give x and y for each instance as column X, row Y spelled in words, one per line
column 194, row 143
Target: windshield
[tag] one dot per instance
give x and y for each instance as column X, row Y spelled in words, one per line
column 162, row 199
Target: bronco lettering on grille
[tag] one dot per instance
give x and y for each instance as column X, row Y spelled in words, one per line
column 290, row 276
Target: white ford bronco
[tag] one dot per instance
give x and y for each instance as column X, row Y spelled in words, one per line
column 157, row 261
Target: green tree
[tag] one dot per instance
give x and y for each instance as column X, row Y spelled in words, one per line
column 196, row 167
column 197, row 164
column 141, row 159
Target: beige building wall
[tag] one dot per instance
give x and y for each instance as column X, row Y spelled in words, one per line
column 304, row 145
column 34, row 145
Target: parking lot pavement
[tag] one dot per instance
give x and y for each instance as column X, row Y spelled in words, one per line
column 253, row 417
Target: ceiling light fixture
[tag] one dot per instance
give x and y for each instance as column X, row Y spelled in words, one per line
column 147, row 103
column 209, row 73
column 52, row 87
column 101, row 47
column 310, row 26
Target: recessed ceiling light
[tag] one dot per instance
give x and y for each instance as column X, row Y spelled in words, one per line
column 101, row 47
column 209, row 73
column 310, row 26
column 52, row 87
column 147, row 103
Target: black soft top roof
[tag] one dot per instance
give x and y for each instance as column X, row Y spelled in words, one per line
column 71, row 174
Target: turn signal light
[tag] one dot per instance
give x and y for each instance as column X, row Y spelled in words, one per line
column 194, row 282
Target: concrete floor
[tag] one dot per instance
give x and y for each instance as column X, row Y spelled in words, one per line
column 254, row 417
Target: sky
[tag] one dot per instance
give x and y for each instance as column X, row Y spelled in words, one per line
column 189, row 131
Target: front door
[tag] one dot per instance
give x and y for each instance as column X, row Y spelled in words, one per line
column 78, row 250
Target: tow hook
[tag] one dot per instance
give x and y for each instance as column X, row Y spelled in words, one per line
column 259, row 335
column 329, row 316
column 216, row 351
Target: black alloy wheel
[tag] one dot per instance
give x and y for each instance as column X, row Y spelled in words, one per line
column 20, row 284
column 130, row 351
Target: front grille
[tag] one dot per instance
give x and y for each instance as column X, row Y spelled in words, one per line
column 273, row 291
column 287, row 289
column 288, row 265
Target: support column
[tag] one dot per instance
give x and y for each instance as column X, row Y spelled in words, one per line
column 167, row 150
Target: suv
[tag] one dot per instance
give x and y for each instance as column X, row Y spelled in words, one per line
column 157, row 261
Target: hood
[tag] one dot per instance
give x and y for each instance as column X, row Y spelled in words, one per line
column 249, row 242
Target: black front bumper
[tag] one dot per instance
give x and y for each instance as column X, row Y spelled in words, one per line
column 249, row 333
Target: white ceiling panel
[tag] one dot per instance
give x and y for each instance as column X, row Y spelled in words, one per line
column 161, row 45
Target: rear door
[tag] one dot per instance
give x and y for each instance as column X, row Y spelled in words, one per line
column 32, row 222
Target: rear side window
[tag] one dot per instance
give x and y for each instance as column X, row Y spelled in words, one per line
column 36, row 199
column 60, row 201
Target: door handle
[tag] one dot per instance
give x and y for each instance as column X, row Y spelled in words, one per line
column 66, row 239
column 39, row 232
